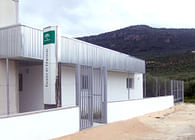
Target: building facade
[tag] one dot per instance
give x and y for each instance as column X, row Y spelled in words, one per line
column 92, row 84
column 88, row 76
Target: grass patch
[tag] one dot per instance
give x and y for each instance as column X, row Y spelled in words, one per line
column 189, row 100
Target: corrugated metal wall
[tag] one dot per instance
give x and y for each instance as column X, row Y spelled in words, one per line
column 79, row 52
column 32, row 42
column 10, row 41
column 23, row 41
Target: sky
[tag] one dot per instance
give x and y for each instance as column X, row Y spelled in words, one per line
column 78, row 18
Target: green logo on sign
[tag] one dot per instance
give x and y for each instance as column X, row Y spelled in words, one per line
column 48, row 37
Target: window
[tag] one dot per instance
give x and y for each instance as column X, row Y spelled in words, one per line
column 84, row 82
column 20, row 82
column 130, row 83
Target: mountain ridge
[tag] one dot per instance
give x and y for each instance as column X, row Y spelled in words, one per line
column 168, row 52
column 146, row 42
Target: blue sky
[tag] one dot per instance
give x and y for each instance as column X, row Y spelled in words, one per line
column 90, row 17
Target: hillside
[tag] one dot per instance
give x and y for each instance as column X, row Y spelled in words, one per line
column 168, row 52
column 145, row 42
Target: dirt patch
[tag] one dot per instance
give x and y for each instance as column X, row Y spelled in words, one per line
column 176, row 123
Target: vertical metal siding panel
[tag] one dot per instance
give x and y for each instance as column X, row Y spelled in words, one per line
column 28, row 44
column 14, row 43
column 38, row 44
column 63, row 55
column 6, row 38
column 69, row 51
column 89, row 58
column 32, row 43
column 62, row 48
column 9, row 41
column 96, row 58
column 90, row 52
column 66, row 51
column 21, row 41
column 79, row 52
column 82, row 58
column 5, row 43
column 126, row 61
column 19, row 34
column 62, row 44
column 76, row 53
column 30, row 52
column 84, row 54
column 63, row 51
column 24, row 45
column 73, row 50
column 32, row 39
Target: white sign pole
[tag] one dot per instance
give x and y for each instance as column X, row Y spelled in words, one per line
column 49, row 64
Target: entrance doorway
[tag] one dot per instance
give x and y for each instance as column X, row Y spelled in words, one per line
column 91, row 95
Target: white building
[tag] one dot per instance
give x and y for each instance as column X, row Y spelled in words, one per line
column 95, row 84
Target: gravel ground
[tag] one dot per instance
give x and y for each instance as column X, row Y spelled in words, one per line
column 176, row 123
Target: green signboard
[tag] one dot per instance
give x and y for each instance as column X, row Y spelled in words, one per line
column 49, row 37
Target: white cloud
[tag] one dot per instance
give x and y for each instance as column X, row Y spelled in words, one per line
column 87, row 17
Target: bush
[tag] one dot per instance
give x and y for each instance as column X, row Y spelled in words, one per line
column 190, row 88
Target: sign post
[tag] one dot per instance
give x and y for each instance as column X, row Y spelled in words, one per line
column 49, row 65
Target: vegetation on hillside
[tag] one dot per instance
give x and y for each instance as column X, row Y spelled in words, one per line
column 146, row 42
column 178, row 67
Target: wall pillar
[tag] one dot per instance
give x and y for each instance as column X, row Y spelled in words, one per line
column 7, row 84
column 11, row 88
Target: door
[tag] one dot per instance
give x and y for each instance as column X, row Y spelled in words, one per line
column 91, row 95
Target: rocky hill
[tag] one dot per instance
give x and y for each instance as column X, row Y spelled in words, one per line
column 146, row 42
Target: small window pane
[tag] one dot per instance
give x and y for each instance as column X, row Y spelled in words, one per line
column 130, row 83
column 20, row 82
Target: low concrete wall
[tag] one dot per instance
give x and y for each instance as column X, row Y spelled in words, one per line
column 40, row 125
column 123, row 110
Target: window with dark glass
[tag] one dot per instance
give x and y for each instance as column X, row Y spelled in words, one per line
column 130, row 83
column 20, row 82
